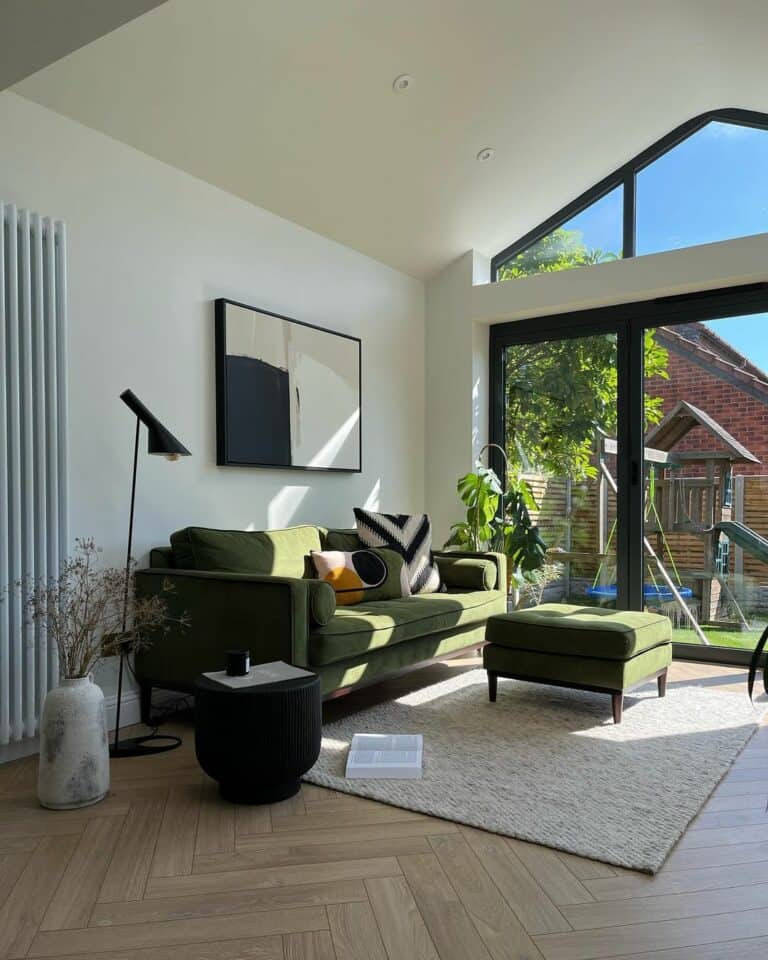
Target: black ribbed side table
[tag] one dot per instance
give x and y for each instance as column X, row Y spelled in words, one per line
column 258, row 741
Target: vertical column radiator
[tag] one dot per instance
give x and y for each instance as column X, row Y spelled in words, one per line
column 33, row 452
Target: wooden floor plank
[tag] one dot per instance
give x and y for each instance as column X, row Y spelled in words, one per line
column 23, row 910
column 292, row 807
column 11, row 868
column 402, row 927
column 13, row 830
column 734, row 950
column 585, row 869
column 129, row 868
column 175, row 847
column 309, row 946
column 532, row 906
column 678, row 881
column 79, row 889
column 216, row 823
column 423, row 827
column 453, row 933
column 27, row 808
column 651, row 937
column 721, row 836
column 747, row 802
column 355, row 933
column 682, row 858
column 10, row 845
column 311, row 853
column 552, row 875
column 252, row 819
column 212, row 883
column 742, row 788
column 83, row 943
column 376, row 813
column 501, row 931
column 228, row 903
column 730, row 818
column 252, row 948
column 617, row 913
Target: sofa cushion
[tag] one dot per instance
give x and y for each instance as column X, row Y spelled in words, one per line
column 565, row 629
column 361, row 576
column 279, row 553
column 470, row 573
column 353, row 631
column 340, row 539
column 410, row 535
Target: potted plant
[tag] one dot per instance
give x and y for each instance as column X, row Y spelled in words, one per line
column 84, row 611
column 498, row 519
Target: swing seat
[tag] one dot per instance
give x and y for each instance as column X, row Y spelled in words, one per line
column 651, row 593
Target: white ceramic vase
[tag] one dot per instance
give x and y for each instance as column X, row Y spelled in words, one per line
column 74, row 748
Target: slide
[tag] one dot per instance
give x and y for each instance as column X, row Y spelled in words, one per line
column 746, row 538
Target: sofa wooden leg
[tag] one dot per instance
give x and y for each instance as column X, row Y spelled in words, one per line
column 662, row 682
column 145, row 703
column 492, row 684
column 618, row 705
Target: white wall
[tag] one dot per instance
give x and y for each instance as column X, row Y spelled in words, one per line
column 456, row 376
column 149, row 249
column 461, row 306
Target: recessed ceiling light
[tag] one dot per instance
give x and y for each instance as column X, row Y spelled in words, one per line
column 487, row 153
column 402, row 83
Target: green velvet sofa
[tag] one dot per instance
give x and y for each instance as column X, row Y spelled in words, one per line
column 251, row 590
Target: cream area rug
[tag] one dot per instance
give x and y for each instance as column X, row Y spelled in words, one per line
column 549, row 766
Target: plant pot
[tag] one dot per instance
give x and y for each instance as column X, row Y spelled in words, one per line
column 74, row 749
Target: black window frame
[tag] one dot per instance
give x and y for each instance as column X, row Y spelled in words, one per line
column 628, row 321
column 626, row 176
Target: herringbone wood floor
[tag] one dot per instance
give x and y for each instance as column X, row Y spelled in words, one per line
column 165, row 870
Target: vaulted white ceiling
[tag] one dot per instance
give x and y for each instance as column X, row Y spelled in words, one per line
column 289, row 104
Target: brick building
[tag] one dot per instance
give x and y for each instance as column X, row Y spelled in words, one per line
column 708, row 372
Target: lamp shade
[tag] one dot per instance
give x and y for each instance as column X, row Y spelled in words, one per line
column 160, row 440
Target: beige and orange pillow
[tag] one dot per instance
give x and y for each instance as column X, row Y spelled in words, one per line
column 361, row 575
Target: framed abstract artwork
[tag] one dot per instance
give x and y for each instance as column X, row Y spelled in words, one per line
column 288, row 394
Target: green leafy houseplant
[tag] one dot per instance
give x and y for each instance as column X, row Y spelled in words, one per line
column 498, row 519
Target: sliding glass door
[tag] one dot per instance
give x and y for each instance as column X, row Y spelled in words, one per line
column 640, row 433
column 706, row 460
column 560, row 421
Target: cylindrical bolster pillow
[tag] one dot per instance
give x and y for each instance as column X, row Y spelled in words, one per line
column 322, row 602
column 468, row 573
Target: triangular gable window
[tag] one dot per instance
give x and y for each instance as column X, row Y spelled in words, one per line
column 705, row 181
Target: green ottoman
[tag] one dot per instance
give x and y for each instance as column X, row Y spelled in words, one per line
column 586, row 648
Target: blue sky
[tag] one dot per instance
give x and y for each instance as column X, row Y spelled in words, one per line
column 713, row 186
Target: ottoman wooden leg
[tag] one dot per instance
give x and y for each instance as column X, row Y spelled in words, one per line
column 662, row 682
column 492, row 683
column 618, row 705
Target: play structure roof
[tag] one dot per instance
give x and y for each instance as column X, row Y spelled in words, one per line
column 683, row 418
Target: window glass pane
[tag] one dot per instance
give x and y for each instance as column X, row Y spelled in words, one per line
column 713, row 186
column 560, row 437
column 592, row 236
column 706, row 476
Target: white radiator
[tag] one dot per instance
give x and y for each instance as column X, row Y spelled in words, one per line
column 33, row 452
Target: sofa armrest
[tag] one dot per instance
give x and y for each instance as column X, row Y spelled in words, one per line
column 270, row 616
column 472, row 571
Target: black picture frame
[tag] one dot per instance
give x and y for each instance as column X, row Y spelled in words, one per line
column 224, row 457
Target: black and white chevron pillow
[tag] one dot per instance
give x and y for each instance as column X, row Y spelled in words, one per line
column 408, row 535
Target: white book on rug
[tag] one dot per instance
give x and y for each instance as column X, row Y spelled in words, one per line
column 385, row 756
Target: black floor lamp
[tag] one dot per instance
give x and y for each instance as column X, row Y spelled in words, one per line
column 162, row 442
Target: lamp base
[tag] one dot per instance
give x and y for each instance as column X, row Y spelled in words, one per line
column 144, row 746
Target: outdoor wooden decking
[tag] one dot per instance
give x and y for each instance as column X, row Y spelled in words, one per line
column 165, row 870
